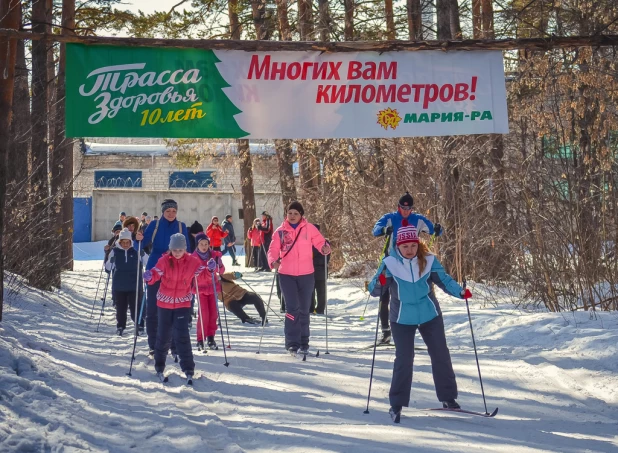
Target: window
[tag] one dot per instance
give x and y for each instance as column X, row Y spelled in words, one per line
column 191, row 180
column 125, row 179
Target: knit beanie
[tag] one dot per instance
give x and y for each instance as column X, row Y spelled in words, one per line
column 196, row 228
column 117, row 227
column 167, row 204
column 296, row 205
column 213, row 218
column 178, row 242
column 125, row 234
column 407, row 234
column 406, row 200
column 201, row 237
column 229, row 216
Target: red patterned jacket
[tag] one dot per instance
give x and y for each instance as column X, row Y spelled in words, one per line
column 176, row 277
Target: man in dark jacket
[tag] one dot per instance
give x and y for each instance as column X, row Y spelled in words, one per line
column 318, row 301
column 230, row 239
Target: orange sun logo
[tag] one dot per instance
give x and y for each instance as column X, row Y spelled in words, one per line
column 388, row 117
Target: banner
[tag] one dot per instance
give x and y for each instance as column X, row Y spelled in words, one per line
column 192, row 93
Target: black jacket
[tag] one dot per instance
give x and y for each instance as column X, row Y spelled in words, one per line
column 229, row 227
column 125, row 264
column 318, row 264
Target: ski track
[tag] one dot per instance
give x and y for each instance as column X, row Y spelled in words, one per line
column 63, row 387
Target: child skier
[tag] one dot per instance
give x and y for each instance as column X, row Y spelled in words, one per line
column 216, row 234
column 257, row 242
column 176, row 270
column 388, row 225
column 123, row 262
column 410, row 273
column 208, row 313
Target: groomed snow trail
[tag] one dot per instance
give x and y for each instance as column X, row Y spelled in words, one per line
column 63, row 387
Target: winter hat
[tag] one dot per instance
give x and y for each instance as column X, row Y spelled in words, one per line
column 122, row 213
column 213, row 218
column 117, row 227
column 148, row 218
column 131, row 221
column 407, row 234
column 125, row 234
column 229, row 216
column 144, row 213
column 265, row 213
column 296, row 205
column 201, row 237
column 167, row 204
column 178, row 242
column 406, row 200
column 196, row 228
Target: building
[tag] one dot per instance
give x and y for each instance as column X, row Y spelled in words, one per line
column 135, row 175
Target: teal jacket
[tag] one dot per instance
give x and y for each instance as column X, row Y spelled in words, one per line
column 412, row 298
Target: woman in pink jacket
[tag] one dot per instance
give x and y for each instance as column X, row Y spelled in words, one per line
column 208, row 312
column 291, row 253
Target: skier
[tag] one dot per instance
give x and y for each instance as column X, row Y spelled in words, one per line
column 208, row 313
column 318, row 299
column 175, row 272
column 410, row 272
column 121, row 218
column 266, row 227
column 123, row 261
column 290, row 253
column 112, row 241
column 158, row 235
column 236, row 298
column 132, row 224
column 230, row 239
column 216, row 234
column 388, row 225
column 257, row 242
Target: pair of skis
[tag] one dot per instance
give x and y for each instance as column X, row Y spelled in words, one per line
column 165, row 379
column 302, row 356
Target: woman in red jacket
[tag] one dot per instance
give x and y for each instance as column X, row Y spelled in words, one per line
column 257, row 242
column 215, row 233
column 208, row 312
column 176, row 271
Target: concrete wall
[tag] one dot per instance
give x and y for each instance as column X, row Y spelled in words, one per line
column 192, row 205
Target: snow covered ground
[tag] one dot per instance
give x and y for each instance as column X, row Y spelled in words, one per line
column 63, row 387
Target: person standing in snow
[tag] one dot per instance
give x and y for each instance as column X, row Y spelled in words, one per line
column 257, row 243
column 216, row 234
column 157, row 236
column 208, row 313
column 266, row 227
column 291, row 254
column 195, row 228
column 230, row 239
column 174, row 273
column 410, row 273
column 318, row 299
column 236, row 298
column 123, row 261
column 112, row 242
column 389, row 225
column 132, row 224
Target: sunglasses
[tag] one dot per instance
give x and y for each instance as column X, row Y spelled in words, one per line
column 405, row 208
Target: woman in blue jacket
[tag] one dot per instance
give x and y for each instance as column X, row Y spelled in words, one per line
column 410, row 273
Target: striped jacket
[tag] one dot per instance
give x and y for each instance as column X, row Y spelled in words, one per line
column 412, row 299
column 176, row 278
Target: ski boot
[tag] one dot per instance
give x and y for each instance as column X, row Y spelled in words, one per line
column 395, row 413
column 264, row 322
column 450, row 404
column 119, row 331
column 386, row 337
column 212, row 344
column 200, row 345
column 162, row 377
column 189, row 379
column 252, row 321
column 293, row 351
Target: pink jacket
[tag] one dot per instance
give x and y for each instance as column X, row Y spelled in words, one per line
column 204, row 280
column 256, row 236
column 299, row 260
column 176, row 280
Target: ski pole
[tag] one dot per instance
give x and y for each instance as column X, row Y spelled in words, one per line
column 199, row 312
column 104, row 297
column 384, row 250
column 214, row 286
column 96, row 294
column 227, row 330
column 475, row 353
column 375, row 345
column 272, row 287
column 326, row 298
column 141, row 309
column 135, row 315
column 271, row 309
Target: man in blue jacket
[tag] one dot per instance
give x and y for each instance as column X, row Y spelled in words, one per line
column 158, row 234
column 230, row 239
column 388, row 225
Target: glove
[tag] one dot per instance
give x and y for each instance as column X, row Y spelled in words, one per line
column 212, row 265
column 237, row 274
column 437, row 229
column 466, row 294
column 382, row 279
column 388, row 230
column 147, row 276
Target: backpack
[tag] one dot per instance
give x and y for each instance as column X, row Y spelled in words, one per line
column 180, row 224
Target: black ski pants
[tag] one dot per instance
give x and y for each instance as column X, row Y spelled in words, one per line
column 280, row 294
column 124, row 300
column 297, row 291
column 264, row 259
column 256, row 256
column 384, row 311
column 174, row 324
column 318, row 299
column 236, row 306
column 434, row 337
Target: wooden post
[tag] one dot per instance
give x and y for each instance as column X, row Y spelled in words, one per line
column 10, row 14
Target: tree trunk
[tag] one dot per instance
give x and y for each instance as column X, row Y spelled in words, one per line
column 348, row 27
column 305, row 20
column 285, row 159
column 477, row 27
column 235, row 28
column 262, row 30
column 443, row 14
column 62, row 162
column 324, row 20
column 285, row 32
column 390, row 20
column 455, row 22
column 10, row 14
column 415, row 23
column 246, row 184
column 487, row 18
